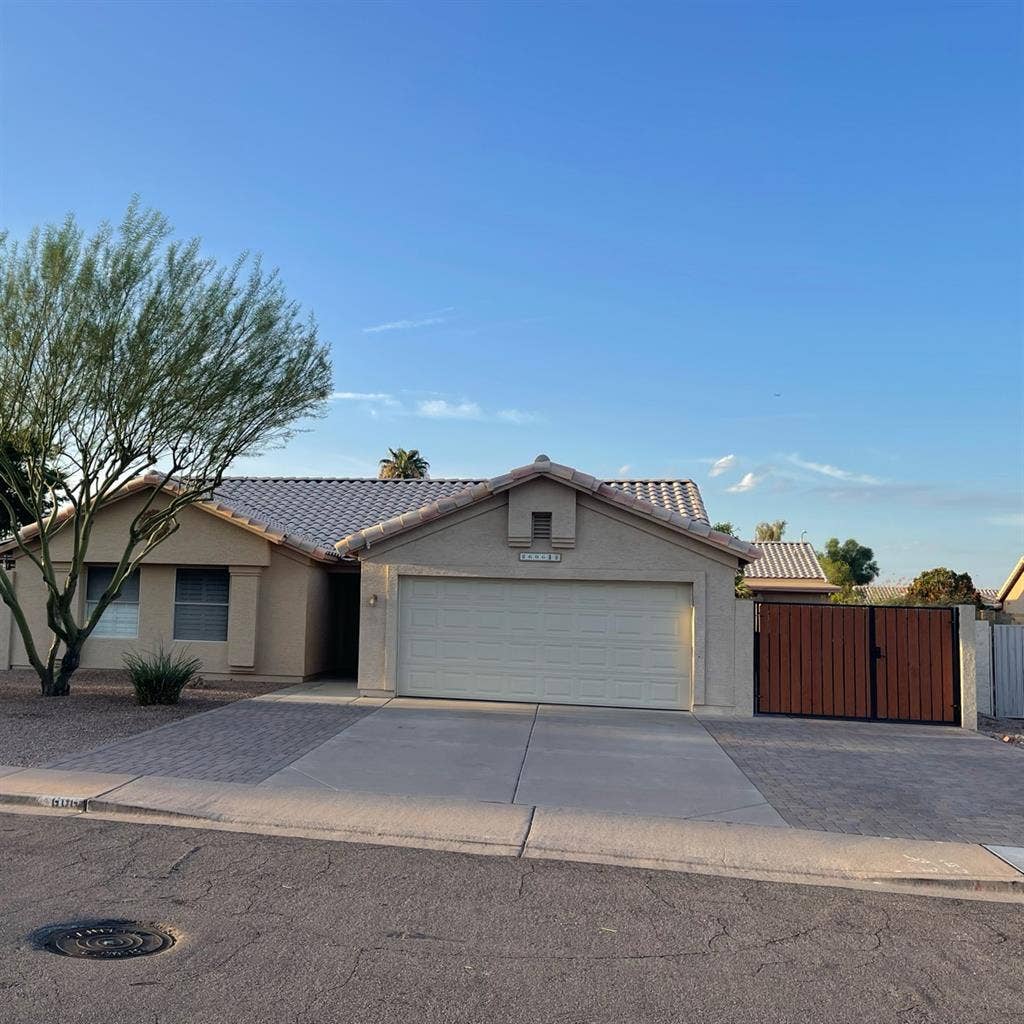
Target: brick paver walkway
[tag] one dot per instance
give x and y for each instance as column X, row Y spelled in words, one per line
column 244, row 742
column 880, row 779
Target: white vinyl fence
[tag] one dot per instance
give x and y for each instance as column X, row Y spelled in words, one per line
column 1008, row 670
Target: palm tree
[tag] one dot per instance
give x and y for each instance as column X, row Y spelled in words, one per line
column 770, row 531
column 402, row 464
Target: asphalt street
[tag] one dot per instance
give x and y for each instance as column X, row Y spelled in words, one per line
column 294, row 930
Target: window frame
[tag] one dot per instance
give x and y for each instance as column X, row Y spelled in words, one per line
column 89, row 604
column 226, row 605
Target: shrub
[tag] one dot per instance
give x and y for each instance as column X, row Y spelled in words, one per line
column 159, row 678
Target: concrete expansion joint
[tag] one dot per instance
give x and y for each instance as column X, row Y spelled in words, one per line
column 526, row 834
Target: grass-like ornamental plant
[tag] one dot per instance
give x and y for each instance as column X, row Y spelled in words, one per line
column 159, row 678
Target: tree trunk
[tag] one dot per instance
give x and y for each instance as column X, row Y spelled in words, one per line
column 57, row 682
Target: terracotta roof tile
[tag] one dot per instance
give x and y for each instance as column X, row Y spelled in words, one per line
column 786, row 559
column 321, row 511
column 882, row 593
column 686, row 511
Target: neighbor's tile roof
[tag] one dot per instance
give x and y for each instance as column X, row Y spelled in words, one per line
column 786, row 560
column 323, row 511
column 880, row 593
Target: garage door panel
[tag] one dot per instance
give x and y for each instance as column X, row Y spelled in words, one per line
column 594, row 657
column 452, row 618
column 556, row 655
column 521, row 653
column 557, row 622
column 524, row 621
column 606, row 643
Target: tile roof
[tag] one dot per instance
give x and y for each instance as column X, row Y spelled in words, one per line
column 881, row 593
column 618, row 492
column 331, row 517
column 322, row 511
column 787, row 560
column 680, row 496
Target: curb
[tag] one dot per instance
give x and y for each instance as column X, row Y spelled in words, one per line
column 757, row 853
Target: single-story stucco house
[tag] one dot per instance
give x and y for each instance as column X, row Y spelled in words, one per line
column 542, row 584
column 788, row 570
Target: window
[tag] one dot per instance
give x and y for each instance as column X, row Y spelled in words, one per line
column 542, row 526
column 121, row 617
column 201, row 604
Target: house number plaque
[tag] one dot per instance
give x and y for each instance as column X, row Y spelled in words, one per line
column 539, row 556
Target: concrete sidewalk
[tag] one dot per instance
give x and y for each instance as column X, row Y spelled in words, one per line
column 468, row 826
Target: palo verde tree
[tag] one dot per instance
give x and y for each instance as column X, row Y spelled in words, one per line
column 126, row 354
column 14, row 513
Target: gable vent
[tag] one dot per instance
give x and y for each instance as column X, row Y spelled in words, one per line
column 541, row 526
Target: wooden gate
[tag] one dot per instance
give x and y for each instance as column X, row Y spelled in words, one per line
column 856, row 661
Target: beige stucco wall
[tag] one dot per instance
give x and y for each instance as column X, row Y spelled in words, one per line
column 320, row 615
column 611, row 544
column 1013, row 603
column 967, row 642
column 272, row 589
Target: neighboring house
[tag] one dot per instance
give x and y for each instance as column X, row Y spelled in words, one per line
column 1011, row 594
column 540, row 584
column 889, row 593
column 788, row 570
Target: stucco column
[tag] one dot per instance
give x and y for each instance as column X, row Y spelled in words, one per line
column 983, row 660
column 743, row 659
column 968, row 667
column 7, row 626
column 243, row 616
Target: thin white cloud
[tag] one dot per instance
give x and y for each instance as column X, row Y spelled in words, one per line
column 832, row 471
column 365, row 396
column 623, row 470
column 440, row 409
column 1013, row 519
column 404, row 325
column 381, row 403
column 748, row 482
column 517, row 416
column 722, row 465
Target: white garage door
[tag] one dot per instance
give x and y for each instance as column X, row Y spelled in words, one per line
column 617, row 644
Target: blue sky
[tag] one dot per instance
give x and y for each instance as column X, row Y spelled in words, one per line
column 640, row 238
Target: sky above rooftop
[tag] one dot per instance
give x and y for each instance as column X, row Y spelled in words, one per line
column 772, row 247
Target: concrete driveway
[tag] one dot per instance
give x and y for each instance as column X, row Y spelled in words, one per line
column 875, row 779
column 602, row 759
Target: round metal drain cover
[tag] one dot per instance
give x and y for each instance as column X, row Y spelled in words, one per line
column 108, row 940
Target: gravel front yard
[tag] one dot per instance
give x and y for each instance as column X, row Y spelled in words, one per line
column 36, row 730
column 1009, row 730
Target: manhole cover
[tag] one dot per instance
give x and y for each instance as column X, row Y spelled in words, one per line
column 106, row 940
